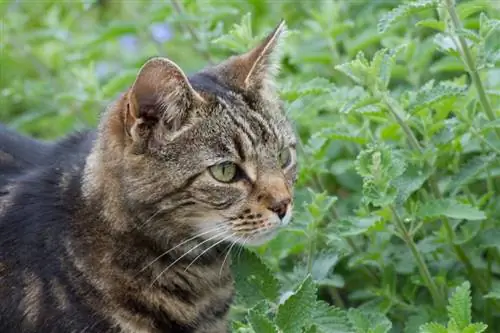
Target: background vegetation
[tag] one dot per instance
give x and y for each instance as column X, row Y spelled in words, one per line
column 397, row 104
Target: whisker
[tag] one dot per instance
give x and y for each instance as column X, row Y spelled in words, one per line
column 180, row 244
column 243, row 246
column 227, row 254
column 209, row 248
column 185, row 254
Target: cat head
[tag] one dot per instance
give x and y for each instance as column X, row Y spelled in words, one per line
column 212, row 152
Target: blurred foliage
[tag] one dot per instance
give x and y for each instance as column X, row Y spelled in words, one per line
column 397, row 105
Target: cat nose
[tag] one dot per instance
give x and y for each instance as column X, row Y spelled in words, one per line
column 280, row 207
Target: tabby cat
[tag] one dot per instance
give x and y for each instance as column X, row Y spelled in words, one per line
column 127, row 228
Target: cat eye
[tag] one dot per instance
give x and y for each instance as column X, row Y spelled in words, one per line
column 285, row 157
column 225, row 172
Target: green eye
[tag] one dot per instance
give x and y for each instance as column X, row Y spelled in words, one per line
column 224, row 172
column 285, row 157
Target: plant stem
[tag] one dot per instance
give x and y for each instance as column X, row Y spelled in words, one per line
column 438, row 298
column 470, row 64
column 396, row 109
column 310, row 257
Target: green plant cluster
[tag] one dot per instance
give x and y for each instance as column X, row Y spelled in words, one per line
column 397, row 106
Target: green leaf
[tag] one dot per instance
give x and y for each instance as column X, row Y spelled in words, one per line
column 469, row 171
column 361, row 105
column 433, row 24
column 358, row 225
column 253, row 280
column 368, row 321
column 317, row 86
column 450, row 208
column 329, row 319
column 296, row 312
column 475, row 328
column 433, row 328
column 494, row 293
column 429, row 95
column 409, row 182
column 356, row 69
column 240, row 38
column 381, row 66
column 459, row 309
column 402, row 11
column 260, row 322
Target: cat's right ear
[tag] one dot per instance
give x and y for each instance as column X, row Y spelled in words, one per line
column 160, row 97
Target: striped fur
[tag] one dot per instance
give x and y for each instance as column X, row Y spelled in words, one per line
column 125, row 229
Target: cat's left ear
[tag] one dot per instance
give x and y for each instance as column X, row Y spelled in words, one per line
column 255, row 68
column 161, row 99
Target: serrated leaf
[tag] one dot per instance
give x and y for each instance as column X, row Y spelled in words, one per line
column 450, row 208
column 316, row 86
column 381, row 66
column 358, row 104
column 368, row 321
column 329, row 319
column 475, row 328
column 433, row 24
column 468, row 172
column 429, row 95
column 357, row 225
column 494, row 293
column 240, row 38
column 459, row 309
column 402, row 11
column 409, row 182
column 378, row 161
column 433, row 328
column 446, row 44
column 296, row 312
column 323, row 264
column 260, row 322
column 253, row 280
column 357, row 69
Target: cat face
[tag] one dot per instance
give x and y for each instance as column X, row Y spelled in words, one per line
column 214, row 152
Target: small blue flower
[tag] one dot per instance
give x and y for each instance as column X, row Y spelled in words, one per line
column 129, row 42
column 161, row 32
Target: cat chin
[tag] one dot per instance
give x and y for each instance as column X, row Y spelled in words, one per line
column 261, row 238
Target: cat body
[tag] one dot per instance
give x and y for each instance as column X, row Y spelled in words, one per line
column 127, row 228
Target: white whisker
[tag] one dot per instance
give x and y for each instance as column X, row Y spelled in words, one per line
column 180, row 244
column 209, row 248
column 185, row 254
column 227, row 254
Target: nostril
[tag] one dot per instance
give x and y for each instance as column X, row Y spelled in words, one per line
column 280, row 208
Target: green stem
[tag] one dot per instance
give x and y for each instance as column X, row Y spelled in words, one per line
column 438, row 298
column 471, row 65
column 396, row 109
column 310, row 257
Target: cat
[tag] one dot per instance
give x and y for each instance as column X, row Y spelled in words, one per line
column 126, row 228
